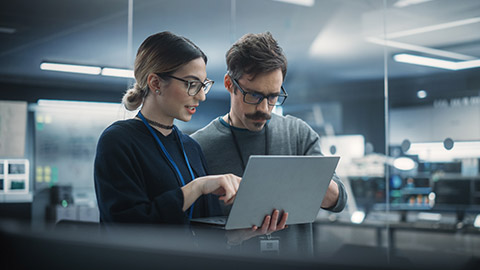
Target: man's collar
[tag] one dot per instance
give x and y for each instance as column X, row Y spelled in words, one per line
column 223, row 122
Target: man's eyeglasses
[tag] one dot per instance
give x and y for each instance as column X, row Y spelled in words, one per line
column 193, row 86
column 255, row 98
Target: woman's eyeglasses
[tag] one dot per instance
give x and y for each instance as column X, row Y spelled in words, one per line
column 193, row 86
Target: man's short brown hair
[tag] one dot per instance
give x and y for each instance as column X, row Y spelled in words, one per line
column 253, row 54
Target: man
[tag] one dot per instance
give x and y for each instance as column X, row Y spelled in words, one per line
column 256, row 71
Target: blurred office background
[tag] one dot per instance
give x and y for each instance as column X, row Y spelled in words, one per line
column 392, row 86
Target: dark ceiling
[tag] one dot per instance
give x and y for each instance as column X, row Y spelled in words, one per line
column 93, row 32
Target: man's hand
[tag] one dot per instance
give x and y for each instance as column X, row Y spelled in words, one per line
column 270, row 224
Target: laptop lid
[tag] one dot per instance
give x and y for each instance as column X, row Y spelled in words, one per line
column 294, row 184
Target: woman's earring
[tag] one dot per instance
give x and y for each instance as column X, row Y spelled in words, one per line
column 157, row 91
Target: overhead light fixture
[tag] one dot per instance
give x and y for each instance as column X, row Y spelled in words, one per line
column 71, row 68
column 68, row 104
column 388, row 41
column 307, row 3
column 435, row 27
column 417, row 48
column 92, row 70
column 434, row 62
column 468, row 64
column 112, row 109
column 118, row 72
column 421, row 94
column 405, row 3
column 424, row 61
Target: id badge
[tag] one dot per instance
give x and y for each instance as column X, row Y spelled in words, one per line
column 269, row 244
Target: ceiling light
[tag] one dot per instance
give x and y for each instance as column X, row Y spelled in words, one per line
column 434, row 62
column 71, row 68
column 92, row 70
column 307, row 3
column 67, row 104
column 468, row 64
column 118, row 72
column 424, row 61
column 434, row 27
column 421, row 94
column 417, row 48
column 405, row 3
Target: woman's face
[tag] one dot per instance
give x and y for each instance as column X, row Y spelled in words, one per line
column 174, row 99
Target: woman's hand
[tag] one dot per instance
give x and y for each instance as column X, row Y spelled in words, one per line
column 225, row 185
column 270, row 224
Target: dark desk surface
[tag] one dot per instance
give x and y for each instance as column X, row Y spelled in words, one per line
column 159, row 247
column 411, row 226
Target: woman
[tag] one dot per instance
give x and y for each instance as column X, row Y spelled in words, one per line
column 144, row 166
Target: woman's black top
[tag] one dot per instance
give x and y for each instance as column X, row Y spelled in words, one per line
column 135, row 183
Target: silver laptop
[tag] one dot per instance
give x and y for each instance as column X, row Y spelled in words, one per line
column 294, row 184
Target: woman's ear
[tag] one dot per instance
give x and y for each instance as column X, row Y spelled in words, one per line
column 154, row 83
column 227, row 82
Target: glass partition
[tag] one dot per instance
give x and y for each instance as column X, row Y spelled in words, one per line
column 434, row 129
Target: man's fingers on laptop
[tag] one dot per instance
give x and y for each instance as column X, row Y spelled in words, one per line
column 281, row 225
column 265, row 225
column 274, row 221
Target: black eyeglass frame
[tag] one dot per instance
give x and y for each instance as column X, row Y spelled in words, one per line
column 285, row 95
column 203, row 85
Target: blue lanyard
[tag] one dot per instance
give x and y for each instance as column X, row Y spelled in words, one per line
column 169, row 158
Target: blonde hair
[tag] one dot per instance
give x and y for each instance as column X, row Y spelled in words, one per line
column 134, row 96
column 163, row 54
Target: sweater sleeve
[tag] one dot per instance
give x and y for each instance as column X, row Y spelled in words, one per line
column 342, row 196
column 120, row 186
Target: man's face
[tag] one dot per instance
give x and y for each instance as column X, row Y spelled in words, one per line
column 253, row 116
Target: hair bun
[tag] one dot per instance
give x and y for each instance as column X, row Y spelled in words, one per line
column 133, row 98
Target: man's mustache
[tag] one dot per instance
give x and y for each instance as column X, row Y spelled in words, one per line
column 258, row 116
